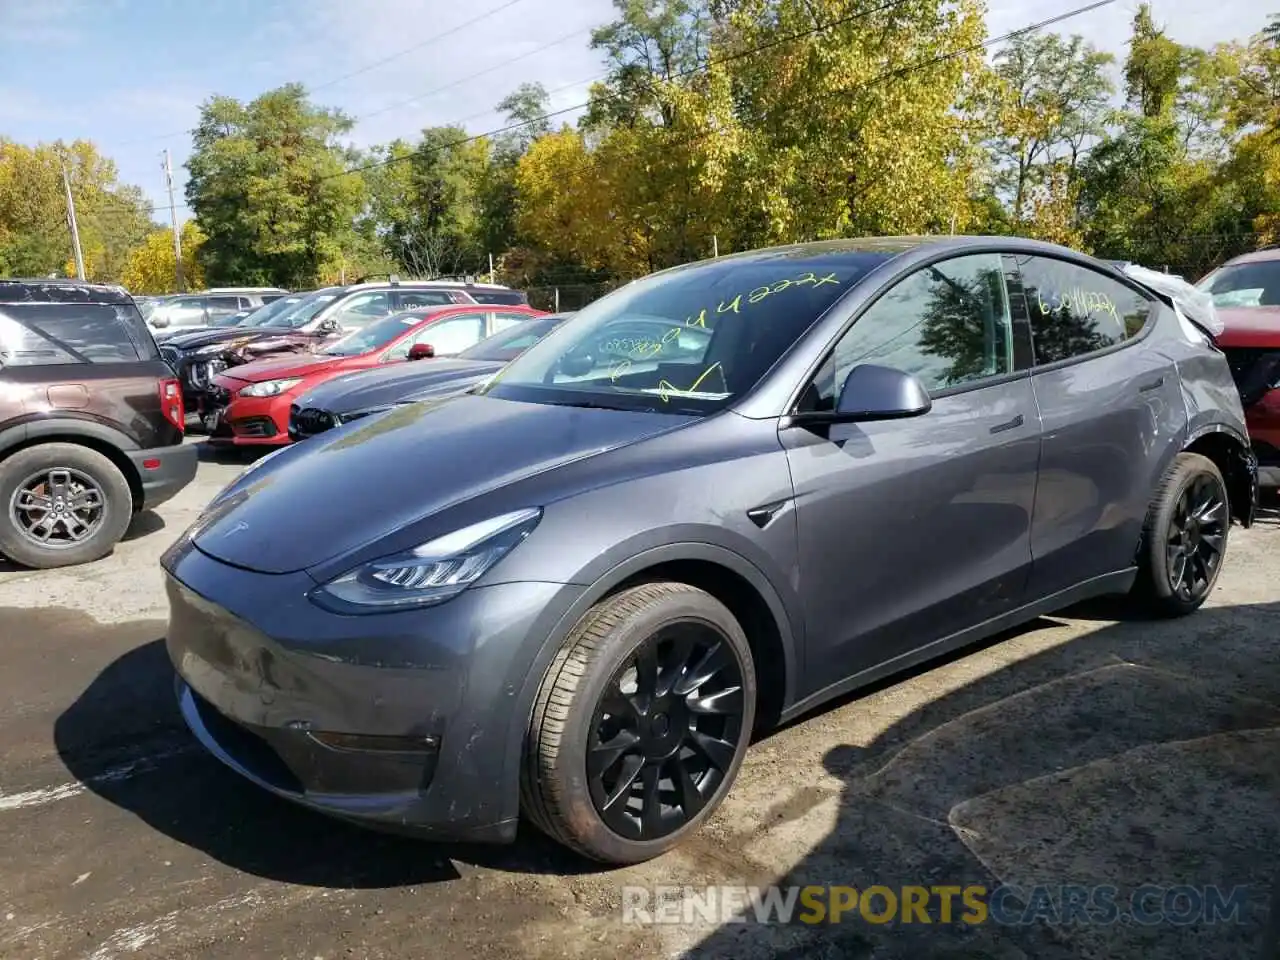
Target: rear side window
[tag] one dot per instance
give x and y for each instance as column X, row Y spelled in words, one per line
column 508, row 297
column 37, row 334
column 425, row 298
column 1076, row 311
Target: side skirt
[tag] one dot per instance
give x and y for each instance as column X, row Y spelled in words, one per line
column 1108, row 583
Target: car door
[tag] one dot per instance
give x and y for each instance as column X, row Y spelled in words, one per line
column 360, row 310
column 913, row 530
column 219, row 307
column 1113, row 416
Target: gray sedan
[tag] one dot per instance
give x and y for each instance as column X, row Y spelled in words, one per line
column 714, row 499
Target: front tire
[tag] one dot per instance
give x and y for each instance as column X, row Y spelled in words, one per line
column 641, row 723
column 1184, row 539
column 61, row 504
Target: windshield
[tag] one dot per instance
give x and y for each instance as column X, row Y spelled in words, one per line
column 687, row 340
column 509, row 344
column 375, row 335
column 1252, row 284
column 304, row 310
column 259, row 317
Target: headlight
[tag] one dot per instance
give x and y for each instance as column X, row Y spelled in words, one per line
column 432, row 573
column 270, row 388
column 209, row 351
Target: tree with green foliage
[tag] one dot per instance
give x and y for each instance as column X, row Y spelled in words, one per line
column 268, row 188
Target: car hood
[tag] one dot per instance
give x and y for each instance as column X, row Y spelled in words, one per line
column 1249, row 327
column 398, row 381
column 290, row 365
column 335, row 493
column 203, row 337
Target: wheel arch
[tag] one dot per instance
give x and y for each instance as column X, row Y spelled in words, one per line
column 109, row 442
column 1233, row 456
column 727, row 576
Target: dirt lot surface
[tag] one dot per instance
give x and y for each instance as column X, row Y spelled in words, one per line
column 1081, row 750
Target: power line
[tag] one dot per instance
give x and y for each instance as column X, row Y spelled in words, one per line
column 467, row 79
column 417, row 46
column 358, row 72
column 888, row 75
column 680, row 74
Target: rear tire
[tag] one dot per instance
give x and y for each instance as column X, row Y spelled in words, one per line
column 640, row 725
column 78, row 477
column 1184, row 539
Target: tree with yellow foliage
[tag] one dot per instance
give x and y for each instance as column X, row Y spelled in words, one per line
column 151, row 267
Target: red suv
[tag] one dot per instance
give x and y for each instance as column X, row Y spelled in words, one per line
column 91, row 421
column 1246, row 294
column 252, row 403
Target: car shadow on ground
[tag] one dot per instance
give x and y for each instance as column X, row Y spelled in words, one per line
column 1137, row 753
column 210, row 452
column 143, row 525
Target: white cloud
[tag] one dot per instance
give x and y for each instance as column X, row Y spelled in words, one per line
column 47, row 22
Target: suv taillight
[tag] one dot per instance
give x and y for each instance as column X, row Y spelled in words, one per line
column 171, row 402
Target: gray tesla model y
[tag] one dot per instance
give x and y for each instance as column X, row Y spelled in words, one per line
column 713, row 499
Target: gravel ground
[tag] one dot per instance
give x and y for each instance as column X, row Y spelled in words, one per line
column 1084, row 749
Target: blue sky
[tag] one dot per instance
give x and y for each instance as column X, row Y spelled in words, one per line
column 130, row 74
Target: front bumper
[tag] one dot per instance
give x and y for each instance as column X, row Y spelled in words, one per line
column 250, row 421
column 267, row 678
column 164, row 471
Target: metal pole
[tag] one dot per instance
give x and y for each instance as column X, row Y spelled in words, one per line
column 557, row 309
column 71, row 221
column 173, row 219
column 491, row 268
column 715, row 245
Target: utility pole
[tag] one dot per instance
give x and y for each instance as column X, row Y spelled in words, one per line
column 715, row 245
column 173, row 218
column 71, row 221
column 491, row 268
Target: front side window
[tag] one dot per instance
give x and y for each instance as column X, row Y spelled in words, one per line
column 1076, row 311
column 1251, row 284
column 447, row 337
column 509, row 297
column 505, row 321
column 948, row 324
column 36, row 334
column 362, row 309
column 687, row 340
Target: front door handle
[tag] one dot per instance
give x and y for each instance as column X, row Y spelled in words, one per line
column 1013, row 424
column 1155, row 384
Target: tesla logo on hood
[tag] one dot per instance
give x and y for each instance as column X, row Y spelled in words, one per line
column 240, row 527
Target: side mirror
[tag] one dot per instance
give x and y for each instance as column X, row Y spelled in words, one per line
column 327, row 327
column 160, row 322
column 873, row 392
column 422, row 351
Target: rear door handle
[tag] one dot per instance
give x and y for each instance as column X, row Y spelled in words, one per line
column 1011, row 425
column 1155, row 384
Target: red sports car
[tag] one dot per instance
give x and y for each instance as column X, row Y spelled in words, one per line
column 252, row 401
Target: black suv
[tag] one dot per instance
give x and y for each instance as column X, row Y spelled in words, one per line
column 91, row 421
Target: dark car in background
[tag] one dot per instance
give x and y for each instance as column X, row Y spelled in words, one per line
column 1246, row 295
column 353, row 396
column 91, row 421
column 574, row 592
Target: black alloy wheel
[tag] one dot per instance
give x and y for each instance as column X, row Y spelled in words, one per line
column 1197, row 537
column 640, row 724
column 1184, row 538
column 666, row 732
